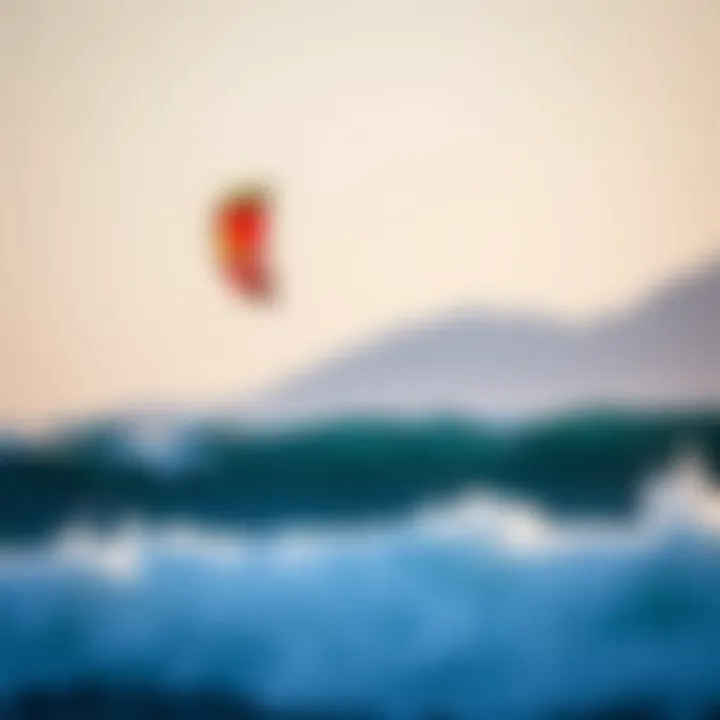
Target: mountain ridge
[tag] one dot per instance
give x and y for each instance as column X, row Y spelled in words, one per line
column 662, row 352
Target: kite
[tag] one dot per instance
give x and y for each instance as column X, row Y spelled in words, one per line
column 241, row 230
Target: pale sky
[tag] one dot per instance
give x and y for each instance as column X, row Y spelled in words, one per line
column 556, row 155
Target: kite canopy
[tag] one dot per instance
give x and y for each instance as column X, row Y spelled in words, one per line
column 241, row 229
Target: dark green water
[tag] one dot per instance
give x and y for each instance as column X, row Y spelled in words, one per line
column 582, row 464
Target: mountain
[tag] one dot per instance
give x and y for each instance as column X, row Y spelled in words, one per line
column 664, row 352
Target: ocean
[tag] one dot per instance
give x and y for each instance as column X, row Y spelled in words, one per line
column 475, row 597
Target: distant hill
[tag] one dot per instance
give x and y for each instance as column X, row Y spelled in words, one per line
column 664, row 353
column 362, row 456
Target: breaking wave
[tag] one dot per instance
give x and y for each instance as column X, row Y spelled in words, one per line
column 477, row 608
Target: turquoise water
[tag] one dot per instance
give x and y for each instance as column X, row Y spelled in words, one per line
column 229, row 476
column 479, row 598
column 479, row 607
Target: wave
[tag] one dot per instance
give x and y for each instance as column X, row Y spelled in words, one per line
column 352, row 470
column 479, row 607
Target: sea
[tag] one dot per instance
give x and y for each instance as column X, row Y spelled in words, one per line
column 480, row 602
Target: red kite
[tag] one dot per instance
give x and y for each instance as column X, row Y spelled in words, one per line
column 241, row 228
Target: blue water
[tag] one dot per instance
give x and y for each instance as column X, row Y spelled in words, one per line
column 480, row 606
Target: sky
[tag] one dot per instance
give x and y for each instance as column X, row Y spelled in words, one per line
column 547, row 155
